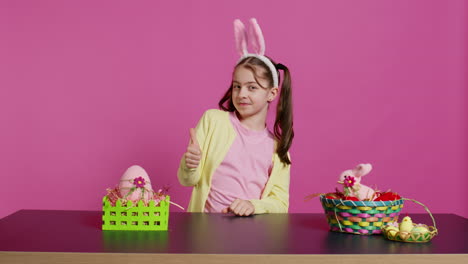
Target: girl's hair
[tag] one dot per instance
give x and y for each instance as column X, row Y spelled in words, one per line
column 283, row 128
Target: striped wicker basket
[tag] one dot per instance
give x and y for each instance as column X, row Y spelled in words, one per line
column 360, row 217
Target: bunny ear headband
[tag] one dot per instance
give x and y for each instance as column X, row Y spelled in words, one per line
column 257, row 43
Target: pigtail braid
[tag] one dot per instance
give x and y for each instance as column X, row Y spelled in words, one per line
column 283, row 128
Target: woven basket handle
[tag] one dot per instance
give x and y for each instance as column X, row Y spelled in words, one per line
column 425, row 207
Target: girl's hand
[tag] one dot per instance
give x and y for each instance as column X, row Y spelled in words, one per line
column 240, row 207
column 193, row 153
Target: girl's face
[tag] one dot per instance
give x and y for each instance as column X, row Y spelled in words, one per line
column 248, row 96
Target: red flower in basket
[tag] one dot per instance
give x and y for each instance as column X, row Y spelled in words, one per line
column 349, row 181
column 139, row 182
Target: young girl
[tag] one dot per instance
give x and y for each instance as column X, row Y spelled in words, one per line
column 233, row 162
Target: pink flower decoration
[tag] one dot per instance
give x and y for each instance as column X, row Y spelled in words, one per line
column 349, row 181
column 139, row 182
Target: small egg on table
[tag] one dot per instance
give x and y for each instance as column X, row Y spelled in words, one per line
column 392, row 230
column 419, row 229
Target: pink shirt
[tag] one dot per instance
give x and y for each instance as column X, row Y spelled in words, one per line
column 244, row 171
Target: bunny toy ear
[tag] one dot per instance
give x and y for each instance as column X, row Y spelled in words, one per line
column 363, row 169
column 241, row 37
column 256, row 39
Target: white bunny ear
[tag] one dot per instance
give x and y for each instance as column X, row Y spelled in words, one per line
column 257, row 42
column 240, row 36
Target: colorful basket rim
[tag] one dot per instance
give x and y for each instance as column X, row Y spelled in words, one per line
column 337, row 202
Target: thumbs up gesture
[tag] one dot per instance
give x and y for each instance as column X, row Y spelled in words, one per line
column 193, row 153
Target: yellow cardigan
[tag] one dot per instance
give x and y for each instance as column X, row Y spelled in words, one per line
column 215, row 135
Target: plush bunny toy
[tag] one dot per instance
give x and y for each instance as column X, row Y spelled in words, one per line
column 351, row 179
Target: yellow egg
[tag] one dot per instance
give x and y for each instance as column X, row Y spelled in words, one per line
column 419, row 229
column 392, row 230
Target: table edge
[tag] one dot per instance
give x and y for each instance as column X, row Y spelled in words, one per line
column 143, row 258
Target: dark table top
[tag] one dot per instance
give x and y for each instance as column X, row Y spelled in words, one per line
column 80, row 231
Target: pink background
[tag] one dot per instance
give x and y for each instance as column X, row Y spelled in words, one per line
column 89, row 88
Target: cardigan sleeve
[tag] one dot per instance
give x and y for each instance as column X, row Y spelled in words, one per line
column 277, row 199
column 191, row 176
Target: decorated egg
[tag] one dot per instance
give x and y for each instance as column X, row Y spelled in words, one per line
column 135, row 184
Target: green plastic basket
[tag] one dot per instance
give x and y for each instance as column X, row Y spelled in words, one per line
column 135, row 217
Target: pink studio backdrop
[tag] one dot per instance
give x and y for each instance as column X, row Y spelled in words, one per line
column 89, row 88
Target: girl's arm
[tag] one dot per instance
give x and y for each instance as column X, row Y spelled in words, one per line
column 277, row 198
column 191, row 176
column 188, row 176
